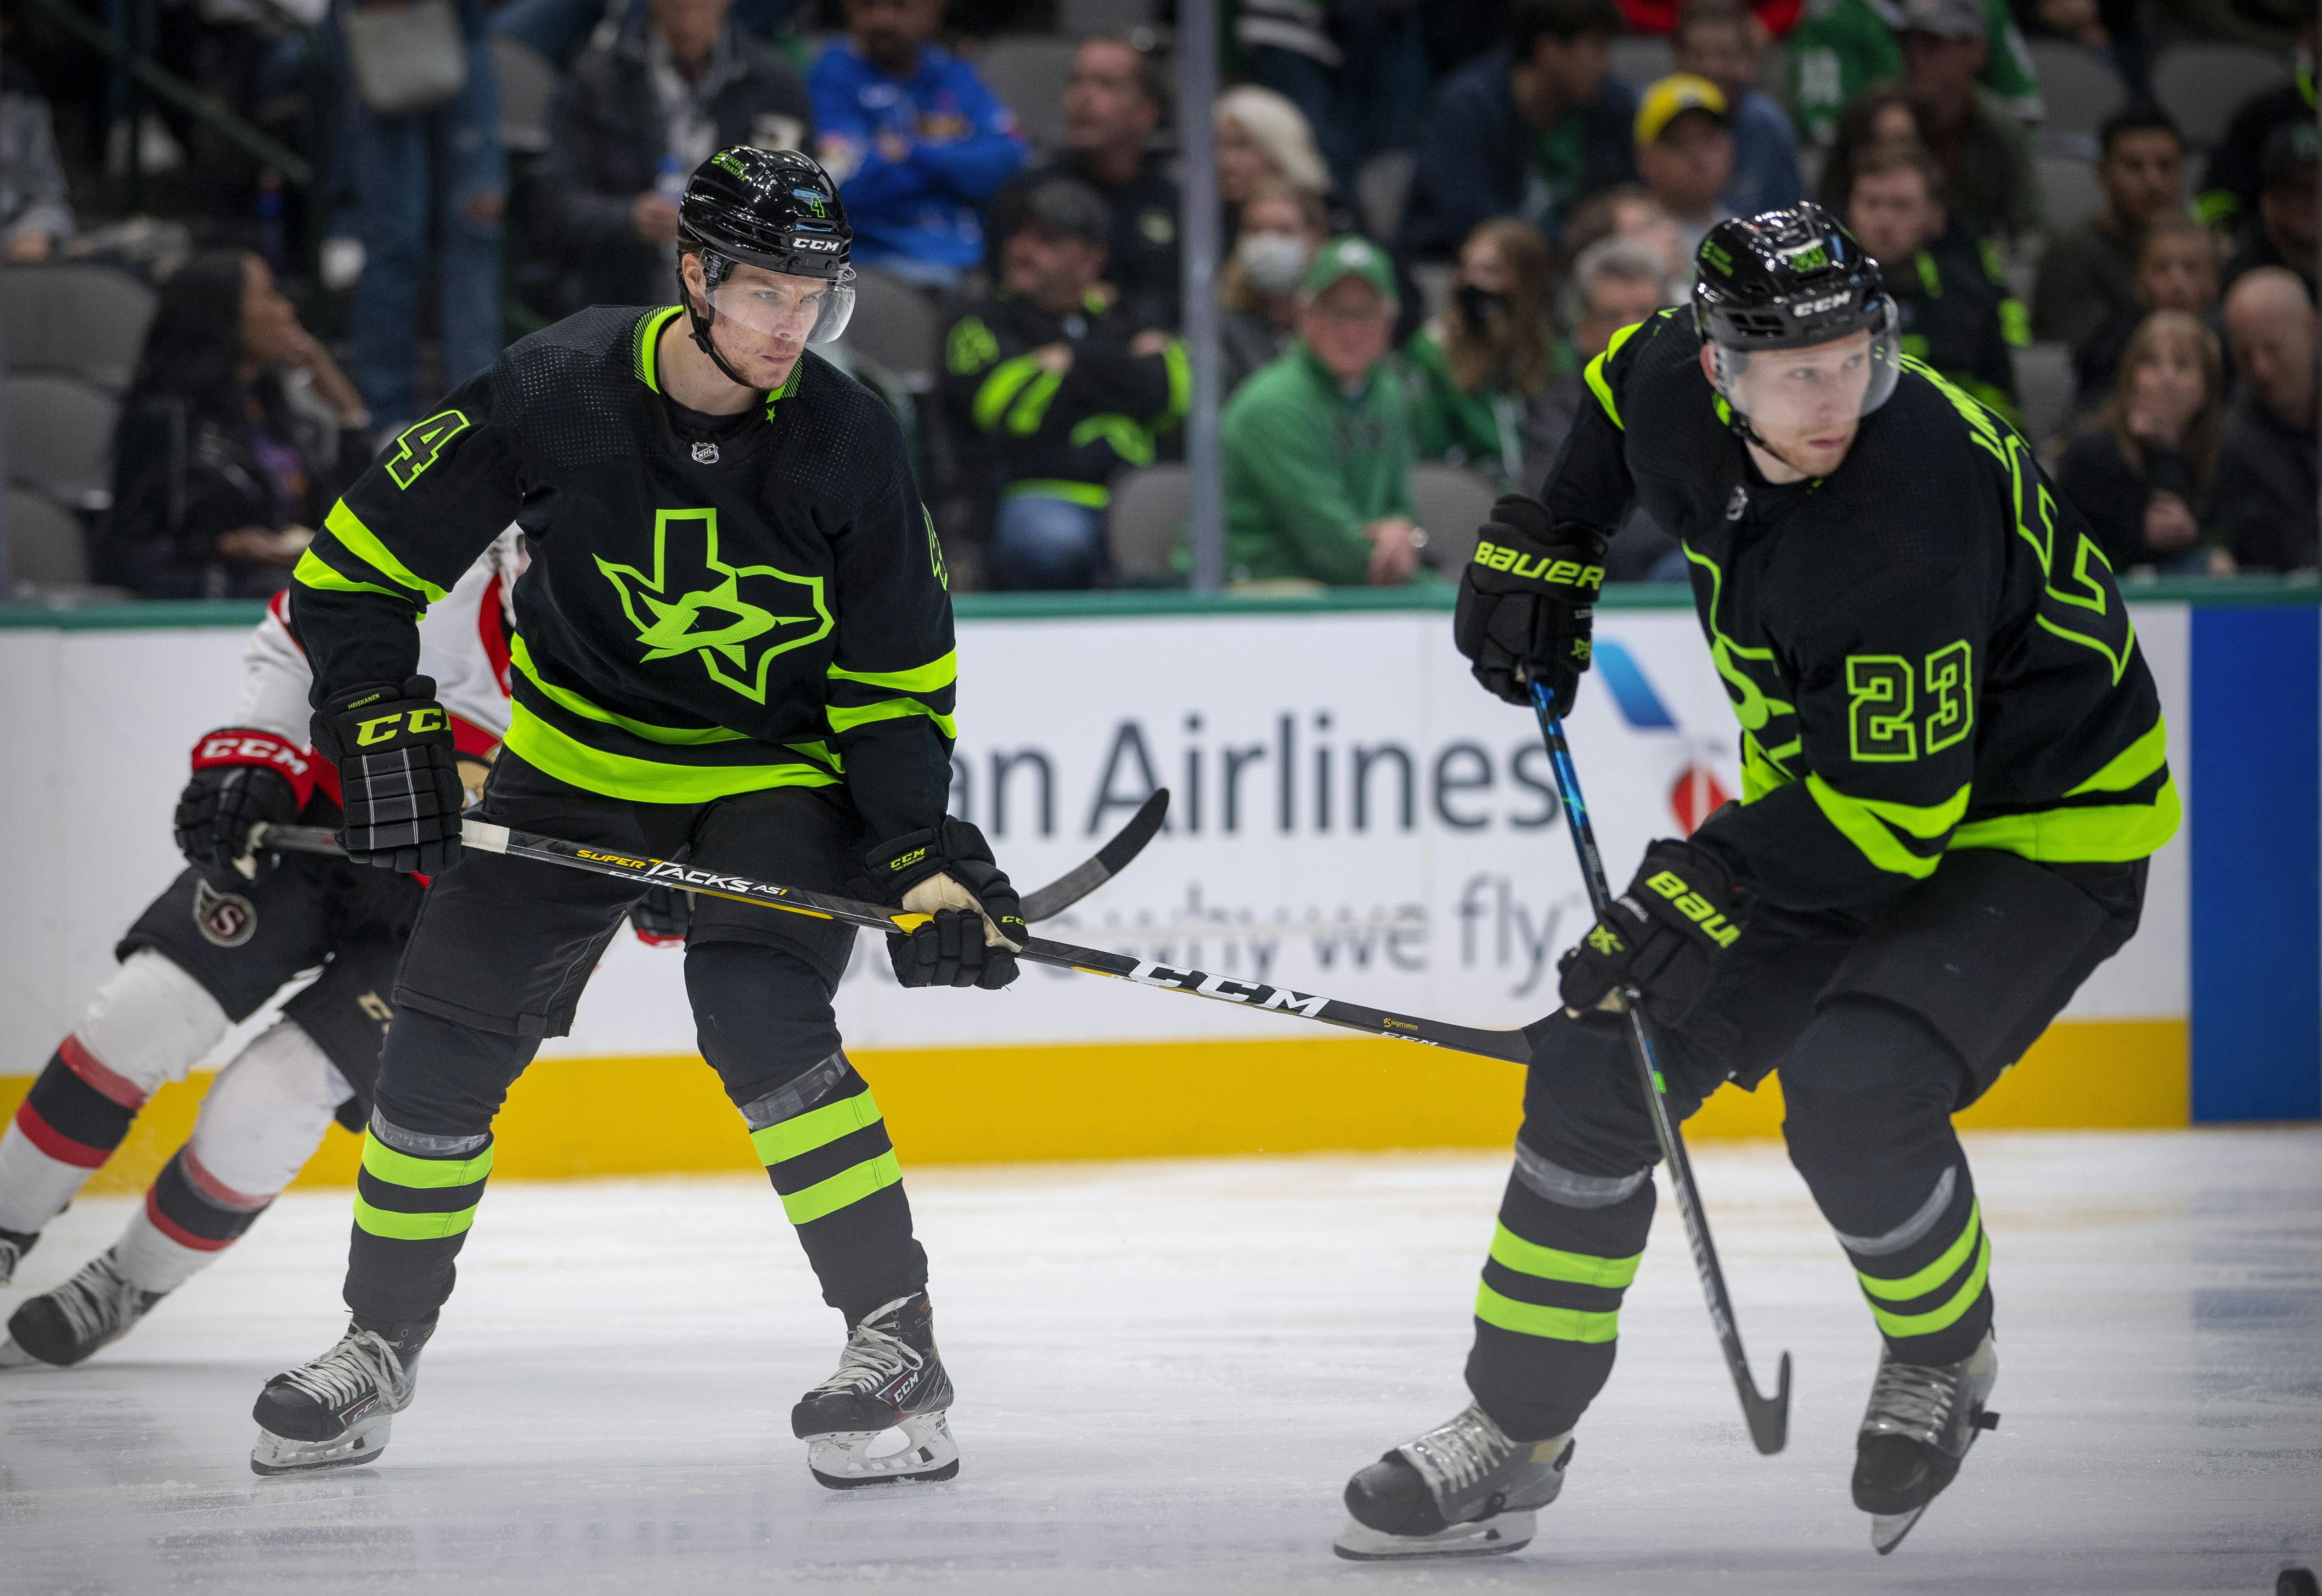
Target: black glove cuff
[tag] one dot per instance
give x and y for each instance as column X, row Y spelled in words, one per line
column 895, row 867
column 379, row 716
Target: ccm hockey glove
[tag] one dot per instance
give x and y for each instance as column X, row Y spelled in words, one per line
column 243, row 778
column 1526, row 602
column 976, row 920
column 399, row 776
column 1661, row 936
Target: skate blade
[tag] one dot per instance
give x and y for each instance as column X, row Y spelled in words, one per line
column 13, row 1357
column 280, row 1454
column 841, row 1459
column 1484, row 1538
column 1887, row 1529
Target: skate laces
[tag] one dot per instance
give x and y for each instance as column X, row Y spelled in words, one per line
column 1913, row 1400
column 96, row 1301
column 1462, row 1450
column 872, row 1356
column 362, row 1358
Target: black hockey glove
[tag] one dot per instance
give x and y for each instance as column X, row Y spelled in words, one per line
column 243, row 778
column 399, row 775
column 1526, row 602
column 976, row 920
column 662, row 917
column 1661, row 936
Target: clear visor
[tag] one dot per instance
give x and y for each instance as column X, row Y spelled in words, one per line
column 1799, row 390
column 811, row 310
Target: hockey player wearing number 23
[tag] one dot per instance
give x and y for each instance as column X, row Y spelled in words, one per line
column 1953, row 772
column 734, row 647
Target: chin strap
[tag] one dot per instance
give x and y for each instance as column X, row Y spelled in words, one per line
column 700, row 324
column 1748, row 435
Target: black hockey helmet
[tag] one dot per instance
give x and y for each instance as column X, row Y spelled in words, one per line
column 1792, row 279
column 775, row 209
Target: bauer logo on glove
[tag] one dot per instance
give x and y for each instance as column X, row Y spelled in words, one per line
column 1661, row 936
column 1524, row 612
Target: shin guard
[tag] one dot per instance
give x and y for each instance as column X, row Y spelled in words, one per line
column 416, row 1197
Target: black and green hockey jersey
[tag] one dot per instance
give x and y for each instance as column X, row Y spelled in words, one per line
column 704, row 616
column 1926, row 649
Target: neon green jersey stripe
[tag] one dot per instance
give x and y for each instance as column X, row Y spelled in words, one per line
column 2108, row 833
column 817, row 1127
column 848, row 1185
column 1866, row 822
column 431, row 1174
column 411, row 1227
column 1555, row 1324
column 573, row 703
column 845, row 719
column 1595, row 374
column 1181, row 385
column 361, row 541
column 311, row 572
column 1031, row 408
column 640, row 781
column 1922, row 1281
column 1552, row 1263
column 648, row 345
column 919, row 679
column 1007, row 380
column 1089, row 494
column 1948, row 1315
column 2133, row 764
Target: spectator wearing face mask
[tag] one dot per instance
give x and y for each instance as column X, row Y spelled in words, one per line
column 2087, row 273
column 1951, row 323
column 1318, row 445
column 1112, row 104
column 1685, row 153
column 1720, row 41
column 1059, row 389
column 2263, row 501
column 1281, row 226
column 2282, row 234
column 2176, row 270
column 2140, row 472
column 1476, row 369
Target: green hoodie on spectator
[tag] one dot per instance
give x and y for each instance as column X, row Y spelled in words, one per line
column 1307, row 467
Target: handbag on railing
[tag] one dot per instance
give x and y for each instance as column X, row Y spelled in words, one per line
column 406, row 56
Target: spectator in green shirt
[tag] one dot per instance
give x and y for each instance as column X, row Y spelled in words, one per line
column 1477, row 370
column 1843, row 47
column 1318, row 445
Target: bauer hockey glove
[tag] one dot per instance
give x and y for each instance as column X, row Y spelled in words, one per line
column 1527, row 602
column 976, row 922
column 1661, row 936
column 243, row 778
column 399, row 776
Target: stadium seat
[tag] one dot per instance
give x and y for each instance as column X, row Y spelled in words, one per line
column 1091, row 19
column 2081, row 89
column 1029, row 72
column 1381, row 187
column 1642, row 60
column 2044, row 388
column 88, row 319
column 1453, row 503
column 61, row 438
column 1146, row 522
column 896, row 327
column 2069, row 185
column 527, row 84
column 45, row 546
column 2202, row 85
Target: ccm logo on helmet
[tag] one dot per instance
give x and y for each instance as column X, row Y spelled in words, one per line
column 826, row 245
column 1814, row 308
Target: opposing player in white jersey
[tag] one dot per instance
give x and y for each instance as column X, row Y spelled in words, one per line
column 210, row 951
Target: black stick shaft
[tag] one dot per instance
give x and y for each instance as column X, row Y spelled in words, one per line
column 1769, row 1418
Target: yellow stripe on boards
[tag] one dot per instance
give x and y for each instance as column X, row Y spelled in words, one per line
column 1553, row 1324
column 395, row 1226
column 425, row 1174
column 816, row 1127
column 848, row 1185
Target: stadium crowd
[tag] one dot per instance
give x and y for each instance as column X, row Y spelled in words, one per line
column 1435, row 214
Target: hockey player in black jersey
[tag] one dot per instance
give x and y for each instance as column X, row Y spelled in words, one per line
column 1954, row 772
column 734, row 645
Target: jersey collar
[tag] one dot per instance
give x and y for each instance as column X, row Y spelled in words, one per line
column 645, row 356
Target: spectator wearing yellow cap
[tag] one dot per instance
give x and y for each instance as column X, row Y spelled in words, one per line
column 1685, row 153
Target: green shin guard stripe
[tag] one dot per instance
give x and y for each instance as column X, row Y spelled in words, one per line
column 1554, row 1324
column 816, row 1127
column 411, row 1227
column 848, row 1185
column 400, row 1169
column 1948, row 1314
column 1554, row 1263
column 1921, row 1283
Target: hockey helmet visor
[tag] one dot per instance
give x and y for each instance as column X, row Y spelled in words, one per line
column 1796, row 315
column 778, row 211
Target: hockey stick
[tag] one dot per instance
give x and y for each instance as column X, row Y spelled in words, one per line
column 1039, row 904
column 1769, row 1417
column 1510, row 1046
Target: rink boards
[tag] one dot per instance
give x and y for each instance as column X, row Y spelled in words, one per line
column 1350, row 817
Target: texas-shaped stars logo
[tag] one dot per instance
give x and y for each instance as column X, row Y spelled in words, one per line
column 732, row 616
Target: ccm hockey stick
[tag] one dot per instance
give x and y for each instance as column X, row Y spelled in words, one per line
column 1040, row 904
column 1509, row 1046
column 1769, row 1417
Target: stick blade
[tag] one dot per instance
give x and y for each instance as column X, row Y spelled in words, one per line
column 1769, row 1418
column 1067, row 890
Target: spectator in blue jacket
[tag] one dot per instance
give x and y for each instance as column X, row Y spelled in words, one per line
column 1527, row 130
column 916, row 140
column 1719, row 40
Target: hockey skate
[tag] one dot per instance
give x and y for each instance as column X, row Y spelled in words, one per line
column 890, row 1377
column 96, row 1307
column 1922, row 1419
column 13, row 1246
column 1461, row 1490
column 334, row 1412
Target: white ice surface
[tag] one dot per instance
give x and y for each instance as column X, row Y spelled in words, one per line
column 1166, row 1372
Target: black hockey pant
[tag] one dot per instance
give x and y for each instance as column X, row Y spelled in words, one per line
column 1883, row 1025
column 497, row 960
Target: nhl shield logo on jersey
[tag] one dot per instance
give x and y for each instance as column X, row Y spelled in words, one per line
column 705, row 453
column 224, row 919
column 734, row 618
